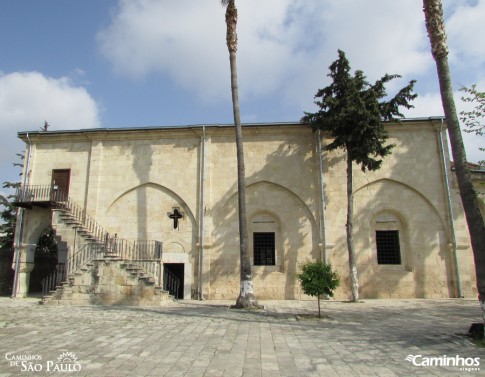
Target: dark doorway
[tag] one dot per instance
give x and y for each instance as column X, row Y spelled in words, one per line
column 60, row 184
column 45, row 260
column 173, row 279
column 6, row 271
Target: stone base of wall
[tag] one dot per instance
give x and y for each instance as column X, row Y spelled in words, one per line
column 109, row 281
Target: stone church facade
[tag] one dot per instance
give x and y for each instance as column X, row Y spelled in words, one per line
column 176, row 187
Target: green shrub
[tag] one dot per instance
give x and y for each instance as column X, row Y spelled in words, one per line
column 318, row 278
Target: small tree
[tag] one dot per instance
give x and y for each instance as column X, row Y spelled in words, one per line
column 8, row 214
column 474, row 119
column 317, row 278
column 8, row 217
column 353, row 111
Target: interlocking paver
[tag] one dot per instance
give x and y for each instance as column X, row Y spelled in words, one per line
column 206, row 338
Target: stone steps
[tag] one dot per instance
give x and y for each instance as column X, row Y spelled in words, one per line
column 108, row 281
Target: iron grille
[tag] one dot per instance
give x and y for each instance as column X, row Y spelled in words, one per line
column 264, row 249
column 388, row 251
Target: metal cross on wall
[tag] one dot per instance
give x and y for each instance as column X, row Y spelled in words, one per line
column 175, row 216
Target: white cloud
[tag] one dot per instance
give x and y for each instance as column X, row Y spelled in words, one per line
column 182, row 39
column 285, row 46
column 425, row 105
column 430, row 105
column 465, row 31
column 28, row 99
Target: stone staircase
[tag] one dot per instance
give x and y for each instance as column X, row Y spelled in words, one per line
column 102, row 269
column 109, row 281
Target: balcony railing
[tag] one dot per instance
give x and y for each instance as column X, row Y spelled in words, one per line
column 39, row 194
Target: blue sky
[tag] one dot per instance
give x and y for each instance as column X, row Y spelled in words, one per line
column 128, row 63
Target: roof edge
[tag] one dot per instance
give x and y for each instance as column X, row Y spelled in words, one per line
column 193, row 126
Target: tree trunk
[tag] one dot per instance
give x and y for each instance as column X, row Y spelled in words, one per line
column 354, row 282
column 246, row 293
column 436, row 31
column 319, row 315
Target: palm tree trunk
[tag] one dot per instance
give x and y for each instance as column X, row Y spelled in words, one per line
column 246, row 293
column 354, row 281
column 436, row 31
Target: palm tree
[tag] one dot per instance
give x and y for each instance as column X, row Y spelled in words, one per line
column 435, row 26
column 246, row 293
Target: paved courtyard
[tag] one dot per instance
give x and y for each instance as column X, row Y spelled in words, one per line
column 192, row 338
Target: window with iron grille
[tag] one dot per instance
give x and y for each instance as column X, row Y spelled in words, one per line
column 264, row 249
column 388, row 251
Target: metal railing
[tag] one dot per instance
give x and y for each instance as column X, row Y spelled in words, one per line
column 77, row 214
column 83, row 256
column 145, row 253
column 152, row 268
column 147, row 258
column 37, row 193
column 54, row 279
column 59, row 200
column 132, row 250
column 171, row 283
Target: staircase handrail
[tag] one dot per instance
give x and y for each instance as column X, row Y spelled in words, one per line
column 111, row 246
column 48, row 193
column 81, row 257
column 54, row 279
column 87, row 221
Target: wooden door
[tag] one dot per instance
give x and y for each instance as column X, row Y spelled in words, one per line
column 60, row 184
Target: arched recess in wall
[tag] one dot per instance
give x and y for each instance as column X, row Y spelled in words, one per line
column 298, row 226
column 391, row 230
column 425, row 267
column 400, row 186
column 259, row 187
column 143, row 213
column 266, row 239
column 38, row 221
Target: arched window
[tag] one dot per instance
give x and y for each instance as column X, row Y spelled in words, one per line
column 390, row 239
column 265, row 240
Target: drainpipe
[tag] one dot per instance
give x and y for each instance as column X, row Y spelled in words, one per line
column 202, row 214
column 324, row 257
column 20, row 223
column 450, row 213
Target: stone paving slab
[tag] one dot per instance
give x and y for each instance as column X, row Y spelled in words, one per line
column 207, row 338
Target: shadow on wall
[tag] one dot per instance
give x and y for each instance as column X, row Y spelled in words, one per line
column 142, row 210
column 142, row 162
column 281, row 196
column 382, row 202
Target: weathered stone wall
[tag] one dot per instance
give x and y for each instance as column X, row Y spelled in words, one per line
column 130, row 180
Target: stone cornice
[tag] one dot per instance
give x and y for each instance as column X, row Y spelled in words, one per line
column 212, row 130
